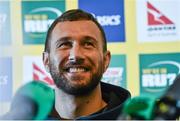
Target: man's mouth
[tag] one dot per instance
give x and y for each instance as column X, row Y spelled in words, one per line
column 76, row 69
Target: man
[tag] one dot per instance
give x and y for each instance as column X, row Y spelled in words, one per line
column 76, row 56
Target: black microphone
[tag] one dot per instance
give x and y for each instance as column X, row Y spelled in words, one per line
column 167, row 107
column 33, row 101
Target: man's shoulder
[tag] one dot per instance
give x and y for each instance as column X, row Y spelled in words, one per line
column 119, row 91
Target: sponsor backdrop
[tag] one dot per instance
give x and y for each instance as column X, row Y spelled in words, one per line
column 143, row 37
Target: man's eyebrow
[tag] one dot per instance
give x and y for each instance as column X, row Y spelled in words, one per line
column 82, row 38
column 90, row 38
column 63, row 39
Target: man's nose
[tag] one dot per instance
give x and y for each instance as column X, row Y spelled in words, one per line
column 75, row 53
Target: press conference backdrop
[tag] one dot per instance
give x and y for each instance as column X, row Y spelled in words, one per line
column 143, row 37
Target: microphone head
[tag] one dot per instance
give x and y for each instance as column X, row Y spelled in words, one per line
column 168, row 107
column 22, row 108
column 174, row 89
column 32, row 101
column 140, row 107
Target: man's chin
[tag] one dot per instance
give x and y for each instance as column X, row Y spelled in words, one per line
column 78, row 89
column 81, row 85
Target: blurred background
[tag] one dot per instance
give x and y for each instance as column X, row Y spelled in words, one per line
column 143, row 37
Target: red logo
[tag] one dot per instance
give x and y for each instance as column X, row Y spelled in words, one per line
column 39, row 74
column 155, row 17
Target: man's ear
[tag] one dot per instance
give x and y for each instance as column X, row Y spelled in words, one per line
column 46, row 60
column 107, row 58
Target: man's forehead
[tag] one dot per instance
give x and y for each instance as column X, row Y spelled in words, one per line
column 85, row 27
column 79, row 23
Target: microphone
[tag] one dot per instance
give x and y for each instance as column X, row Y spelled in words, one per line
column 167, row 107
column 138, row 108
column 33, row 101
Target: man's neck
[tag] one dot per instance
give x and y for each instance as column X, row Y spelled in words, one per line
column 71, row 107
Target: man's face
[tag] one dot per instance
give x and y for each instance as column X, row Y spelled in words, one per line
column 76, row 60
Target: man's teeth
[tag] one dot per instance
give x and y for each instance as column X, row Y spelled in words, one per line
column 75, row 70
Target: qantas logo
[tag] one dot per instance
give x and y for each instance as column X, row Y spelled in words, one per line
column 155, row 17
column 39, row 74
column 157, row 21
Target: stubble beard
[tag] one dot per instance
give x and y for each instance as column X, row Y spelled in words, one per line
column 65, row 85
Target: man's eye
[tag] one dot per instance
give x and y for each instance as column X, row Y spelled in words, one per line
column 64, row 45
column 88, row 44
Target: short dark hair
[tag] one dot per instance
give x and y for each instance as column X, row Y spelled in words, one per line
column 74, row 15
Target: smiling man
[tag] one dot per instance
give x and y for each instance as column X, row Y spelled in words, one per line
column 76, row 56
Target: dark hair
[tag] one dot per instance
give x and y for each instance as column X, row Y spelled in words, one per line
column 74, row 15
